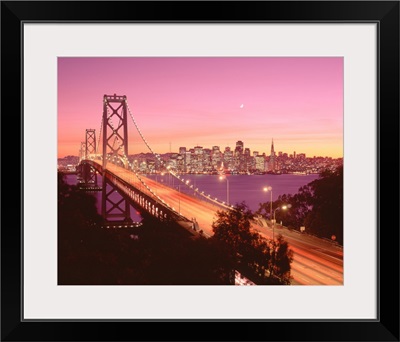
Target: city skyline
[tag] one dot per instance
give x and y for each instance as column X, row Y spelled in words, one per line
column 209, row 101
column 232, row 146
column 222, row 149
column 214, row 160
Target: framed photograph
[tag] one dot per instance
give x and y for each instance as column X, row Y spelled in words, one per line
column 279, row 120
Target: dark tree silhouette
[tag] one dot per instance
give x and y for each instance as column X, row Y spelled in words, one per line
column 318, row 206
column 281, row 257
column 326, row 217
column 153, row 254
column 262, row 260
column 232, row 227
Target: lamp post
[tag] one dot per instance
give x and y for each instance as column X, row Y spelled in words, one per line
column 266, row 189
column 284, row 207
column 227, row 188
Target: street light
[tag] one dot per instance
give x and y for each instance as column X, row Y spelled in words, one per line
column 227, row 188
column 284, row 207
column 266, row 189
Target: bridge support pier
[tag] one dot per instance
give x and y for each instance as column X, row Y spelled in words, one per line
column 89, row 176
column 115, row 207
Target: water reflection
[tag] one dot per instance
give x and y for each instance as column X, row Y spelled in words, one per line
column 248, row 188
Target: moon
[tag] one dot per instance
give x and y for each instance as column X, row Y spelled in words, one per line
column 241, row 106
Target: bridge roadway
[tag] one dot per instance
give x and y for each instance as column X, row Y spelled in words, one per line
column 315, row 261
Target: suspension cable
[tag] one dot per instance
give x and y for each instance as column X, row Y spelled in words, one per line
column 101, row 128
column 138, row 129
column 208, row 197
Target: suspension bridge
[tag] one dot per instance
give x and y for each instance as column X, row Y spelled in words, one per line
column 121, row 175
column 316, row 262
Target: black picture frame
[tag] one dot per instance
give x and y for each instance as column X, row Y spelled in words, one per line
column 15, row 13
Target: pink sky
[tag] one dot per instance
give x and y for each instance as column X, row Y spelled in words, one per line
column 178, row 101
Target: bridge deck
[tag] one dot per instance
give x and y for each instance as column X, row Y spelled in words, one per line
column 190, row 207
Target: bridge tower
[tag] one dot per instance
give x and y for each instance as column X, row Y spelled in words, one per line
column 90, row 141
column 115, row 133
column 87, row 172
column 115, row 149
column 82, row 151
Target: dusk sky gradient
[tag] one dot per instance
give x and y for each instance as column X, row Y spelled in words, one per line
column 189, row 101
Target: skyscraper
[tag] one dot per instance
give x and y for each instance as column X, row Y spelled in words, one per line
column 239, row 146
column 239, row 155
column 272, row 158
column 272, row 148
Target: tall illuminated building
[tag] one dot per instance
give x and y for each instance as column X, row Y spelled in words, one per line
column 239, row 147
column 272, row 158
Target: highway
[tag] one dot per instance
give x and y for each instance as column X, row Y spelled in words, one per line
column 315, row 261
